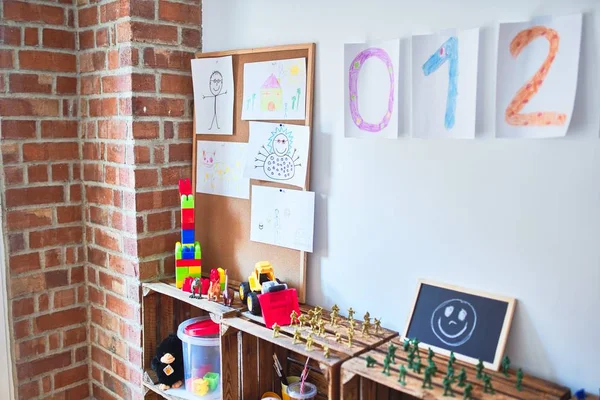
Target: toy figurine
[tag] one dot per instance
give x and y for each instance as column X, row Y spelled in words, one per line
column 430, row 354
column 462, row 378
column 228, row 293
column 432, row 367
column 276, row 330
column 519, row 379
column 214, row 292
column 326, row 351
column 417, row 366
column 335, row 309
column 350, row 313
column 468, row 389
column 297, row 336
column 196, row 289
column 293, row 317
column 505, row 365
column 365, row 328
column 309, row 342
column 450, row 373
column 479, row 370
column 386, row 365
column 350, row 337
column 452, row 358
column 370, row 362
column 338, row 337
column 427, row 379
column 319, row 311
column 302, row 319
column 321, row 328
column 415, row 343
column 402, row 376
column 351, row 328
column 334, row 315
column 411, row 360
column 392, row 352
column 352, row 324
column 488, row 388
column 447, row 383
column 168, row 363
column 377, row 324
column 406, row 344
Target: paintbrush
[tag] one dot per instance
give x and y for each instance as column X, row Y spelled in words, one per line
column 281, row 375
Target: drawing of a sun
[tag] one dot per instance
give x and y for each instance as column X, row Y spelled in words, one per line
column 295, row 70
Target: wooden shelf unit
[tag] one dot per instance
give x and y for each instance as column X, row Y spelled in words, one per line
column 360, row 382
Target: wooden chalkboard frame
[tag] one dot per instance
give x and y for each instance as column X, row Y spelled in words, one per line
column 511, row 304
column 223, row 223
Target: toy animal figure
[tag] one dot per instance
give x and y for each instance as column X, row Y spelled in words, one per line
column 228, row 294
column 168, row 363
column 214, row 292
column 196, row 289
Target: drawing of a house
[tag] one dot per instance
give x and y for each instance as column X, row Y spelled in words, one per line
column 271, row 96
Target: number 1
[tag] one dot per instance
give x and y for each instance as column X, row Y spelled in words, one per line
column 448, row 51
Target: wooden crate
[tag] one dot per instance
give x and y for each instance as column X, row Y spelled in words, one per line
column 360, row 382
column 164, row 307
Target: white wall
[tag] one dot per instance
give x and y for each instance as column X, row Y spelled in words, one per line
column 514, row 217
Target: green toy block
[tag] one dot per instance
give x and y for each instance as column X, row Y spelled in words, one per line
column 213, row 380
column 187, row 201
column 197, row 251
column 180, row 274
column 178, row 250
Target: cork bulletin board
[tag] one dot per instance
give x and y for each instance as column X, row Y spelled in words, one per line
column 223, row 223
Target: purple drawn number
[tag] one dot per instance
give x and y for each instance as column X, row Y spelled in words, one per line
column 355, row 68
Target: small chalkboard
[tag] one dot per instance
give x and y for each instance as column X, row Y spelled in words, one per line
column 472, row 324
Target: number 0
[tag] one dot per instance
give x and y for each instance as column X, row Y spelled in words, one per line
column 530, row 89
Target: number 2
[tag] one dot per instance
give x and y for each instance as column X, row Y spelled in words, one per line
column 530, row 89
column 448, row 51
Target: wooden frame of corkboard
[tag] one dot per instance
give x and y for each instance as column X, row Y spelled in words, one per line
column 223, row 223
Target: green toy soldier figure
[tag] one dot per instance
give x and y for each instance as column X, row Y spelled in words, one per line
column 392, row 352
column 505, row 365
column 519, row 379
column 411, row 359
column 450, row 373
column 430, row 354
column 417, row 366
column 448, row 387
column 402, row 377
column 370, row 362
column 432, row 367
column 479, row 370
column 452, row 358
column 386, row 365
column 488, row 388
column 415, row 343
column 468, row 390
column 406, row 345
column 462, row 378
column 427, row 379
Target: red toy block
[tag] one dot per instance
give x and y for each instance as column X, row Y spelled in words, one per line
column 188, row 263
column 185, row 187
column 187, row 216
column 187, row 285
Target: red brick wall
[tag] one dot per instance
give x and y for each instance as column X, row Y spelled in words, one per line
column 102, row 130
column 43, row 198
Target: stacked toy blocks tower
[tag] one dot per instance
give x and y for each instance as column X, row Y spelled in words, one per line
column 188, row 253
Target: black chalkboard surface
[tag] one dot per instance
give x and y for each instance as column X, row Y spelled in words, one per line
column 472, row 324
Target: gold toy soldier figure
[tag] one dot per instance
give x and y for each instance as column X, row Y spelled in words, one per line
column 276, row 330
column 326, row 351
column 293, row 317
column 350, row 313
column 297, row 336
column 338, row 337
column 365, row 328
column 350, row 336
column 377, row 325
column 367, row 317
column 321, row 328
column 309, row 342
column 335, row 310
column 302, row 320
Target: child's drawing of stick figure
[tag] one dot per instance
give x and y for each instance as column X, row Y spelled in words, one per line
column 215, row 84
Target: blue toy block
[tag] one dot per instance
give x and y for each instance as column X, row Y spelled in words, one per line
column 188, row 253
column 187, row 236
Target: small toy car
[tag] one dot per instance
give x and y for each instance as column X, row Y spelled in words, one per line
column 262, row 280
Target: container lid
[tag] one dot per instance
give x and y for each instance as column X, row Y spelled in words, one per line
column 202, row 329
column 310, row 390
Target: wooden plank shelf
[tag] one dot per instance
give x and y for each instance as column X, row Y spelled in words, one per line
column 218, row 309
column 360, row 343
column 360, row 382
column 149, row 383
column 247, row 349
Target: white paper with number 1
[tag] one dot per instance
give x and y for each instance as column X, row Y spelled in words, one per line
column 444, row 84
column 283, row 217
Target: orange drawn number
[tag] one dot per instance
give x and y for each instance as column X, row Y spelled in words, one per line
column 513, row 114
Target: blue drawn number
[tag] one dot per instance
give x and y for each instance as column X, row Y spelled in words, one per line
column 447, row 51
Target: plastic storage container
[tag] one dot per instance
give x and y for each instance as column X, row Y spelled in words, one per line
column 201, row 357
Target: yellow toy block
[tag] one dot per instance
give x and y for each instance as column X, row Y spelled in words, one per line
column 200, row 387
column 195, row 271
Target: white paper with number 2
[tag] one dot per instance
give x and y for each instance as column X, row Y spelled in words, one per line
column 537, row 80
column 283, row 217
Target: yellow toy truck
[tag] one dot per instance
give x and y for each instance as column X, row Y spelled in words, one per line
column 262, row 280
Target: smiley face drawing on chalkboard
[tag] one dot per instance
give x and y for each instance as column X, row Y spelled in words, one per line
column 453, row 322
